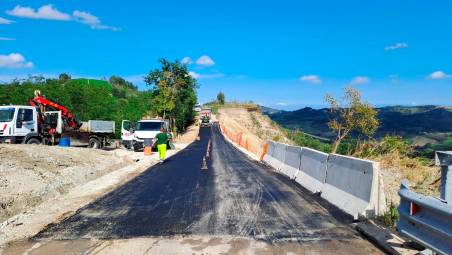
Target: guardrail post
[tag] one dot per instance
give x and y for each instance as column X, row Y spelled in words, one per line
column 444, row 159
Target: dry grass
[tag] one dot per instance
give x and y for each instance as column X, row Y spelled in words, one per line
column 395, row 168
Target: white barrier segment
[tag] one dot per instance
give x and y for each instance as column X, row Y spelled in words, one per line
column 278, row 155
column 292, row 160
column 268, row 157
column 313, row 167
column 353, row 185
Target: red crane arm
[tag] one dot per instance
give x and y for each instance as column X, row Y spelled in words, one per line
column 65, row 113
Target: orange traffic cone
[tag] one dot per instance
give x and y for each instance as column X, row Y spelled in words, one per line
column 147, row 151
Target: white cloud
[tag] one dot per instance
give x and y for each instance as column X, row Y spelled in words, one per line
column 4, row 21
column 14, row 60
column 194, row 75
column 7, row 39
column 205, row 76
column 91, row 20
column 311, row 78
column 205, row 61
column 187, row 61
column 50, row 13
column 438, row 75
column 396, row 46
column 359, row 80
column 85, row 18
column 44, row 12
column 282, row 104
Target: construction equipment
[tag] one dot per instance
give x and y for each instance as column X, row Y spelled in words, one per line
column 46, row 121
column 44, row 105
column 205, row 117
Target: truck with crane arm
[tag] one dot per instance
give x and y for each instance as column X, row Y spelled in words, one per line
column 45, row 121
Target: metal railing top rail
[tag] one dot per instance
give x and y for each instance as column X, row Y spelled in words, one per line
column 429, row 202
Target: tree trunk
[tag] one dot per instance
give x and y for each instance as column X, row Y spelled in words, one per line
column 335, row 145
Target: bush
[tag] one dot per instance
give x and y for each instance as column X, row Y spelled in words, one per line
column 304, row 140
column 389, row 144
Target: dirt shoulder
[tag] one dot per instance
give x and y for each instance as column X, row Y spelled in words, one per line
column 31, row 174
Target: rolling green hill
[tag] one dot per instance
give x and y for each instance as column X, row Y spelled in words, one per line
column 407, row 122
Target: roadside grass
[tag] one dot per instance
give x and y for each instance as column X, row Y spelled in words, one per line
column 390, row 217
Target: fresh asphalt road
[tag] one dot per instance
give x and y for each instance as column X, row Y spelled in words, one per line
column 236, row 196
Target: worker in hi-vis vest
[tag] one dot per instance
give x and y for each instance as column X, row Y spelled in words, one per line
column 162, row 139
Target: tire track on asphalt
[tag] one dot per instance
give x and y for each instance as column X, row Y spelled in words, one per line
column 236, row 196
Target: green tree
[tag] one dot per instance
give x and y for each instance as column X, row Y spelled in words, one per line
column 351, row 115
column 63, row 78
column 220, row 98
column 86, row 99
column 174, row 93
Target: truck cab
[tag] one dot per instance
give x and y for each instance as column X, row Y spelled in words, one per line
column 144, row 129
column 18, row 124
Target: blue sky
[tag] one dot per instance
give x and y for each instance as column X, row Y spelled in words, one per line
column 283, row 54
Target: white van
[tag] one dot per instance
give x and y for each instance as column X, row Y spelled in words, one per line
column 132, row 136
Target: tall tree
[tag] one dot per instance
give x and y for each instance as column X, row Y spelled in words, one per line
column 63, row 78
column 174, row 93
column 351, row 115
column 220, row 98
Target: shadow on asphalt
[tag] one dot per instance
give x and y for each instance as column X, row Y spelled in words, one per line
column 163, row 200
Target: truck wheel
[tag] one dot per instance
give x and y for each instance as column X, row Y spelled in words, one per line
column 94, row 143
column 33, row 141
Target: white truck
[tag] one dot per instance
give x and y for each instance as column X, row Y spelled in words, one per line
column 30, row 125
column 134, row 134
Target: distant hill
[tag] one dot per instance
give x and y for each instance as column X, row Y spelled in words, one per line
column 268, row 110
column 405, row 121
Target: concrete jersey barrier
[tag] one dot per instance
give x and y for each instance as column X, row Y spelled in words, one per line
column 292, row 160
column 313, row 168
column 268, row 157
column 275, row 155
column 353, row 185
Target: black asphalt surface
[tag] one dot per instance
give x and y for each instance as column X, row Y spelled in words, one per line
column 235, row 196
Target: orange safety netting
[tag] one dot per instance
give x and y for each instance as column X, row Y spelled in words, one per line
column 245, row 140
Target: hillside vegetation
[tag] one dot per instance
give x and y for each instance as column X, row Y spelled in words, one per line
column 86, row 98
column 395, row 120
column 428, row 128
column 171, row 94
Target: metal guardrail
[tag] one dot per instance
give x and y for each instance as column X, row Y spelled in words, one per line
column 444, row 159
column 427, row 220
